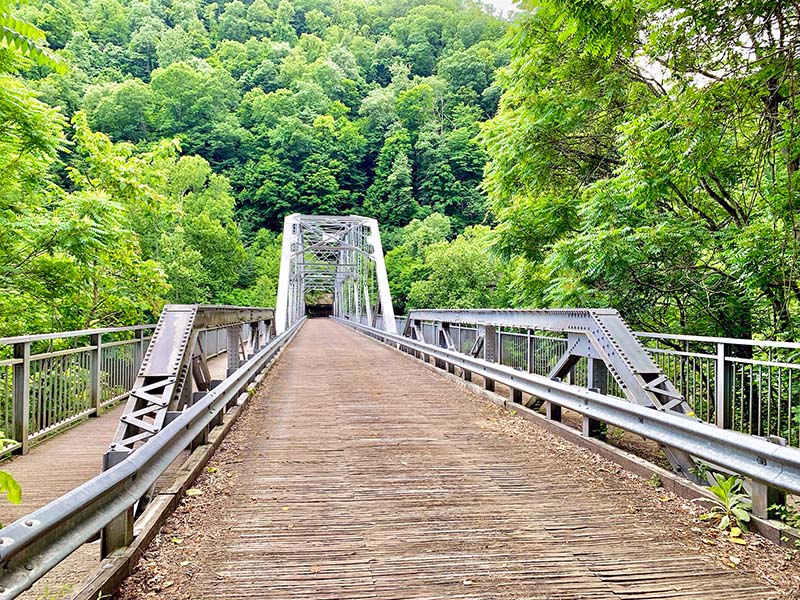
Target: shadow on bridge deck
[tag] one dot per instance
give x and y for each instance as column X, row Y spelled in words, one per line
column 60, row 464
column 357, row 474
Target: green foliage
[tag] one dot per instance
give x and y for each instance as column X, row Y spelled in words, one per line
column 788, row 515
column 8, row 485
column 730, row 507
column 642, row 159
column 17, row 35
column 10, row 488
column 427, row 270
column 185, row 132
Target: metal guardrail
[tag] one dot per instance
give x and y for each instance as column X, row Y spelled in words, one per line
column 766, row 464
column 52, row 380
column 750, row 386
column 36, row 543
column 72, row 375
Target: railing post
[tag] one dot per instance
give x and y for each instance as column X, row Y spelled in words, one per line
column 139, row 349
column 723, row 388
column 489, row 351
column 530, row 352
column 95, row 359
column 21, row 398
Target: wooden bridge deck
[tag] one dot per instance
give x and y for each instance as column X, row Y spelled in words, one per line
column 358, row 474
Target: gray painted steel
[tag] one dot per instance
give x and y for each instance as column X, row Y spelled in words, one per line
column 166, row 377
column 598, row 334
column 36, row 543
column 337, row 255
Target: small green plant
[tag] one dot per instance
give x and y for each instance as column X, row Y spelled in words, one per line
column 700, row 470
column 614, row 434
column 786, row 515
column 8, row 485
column 730, row 506
column 655, row 481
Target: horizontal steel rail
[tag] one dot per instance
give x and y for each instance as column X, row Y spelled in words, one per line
column 53, row 380
column 750, row 386
column 39, row 337
column 34, row 544
column 756, row 458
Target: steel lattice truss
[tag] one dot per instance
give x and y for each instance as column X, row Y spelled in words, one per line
column 337, row 255
column 174, row 372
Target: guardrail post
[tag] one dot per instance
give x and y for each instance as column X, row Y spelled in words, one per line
column 723, row 387
column 117, row 534
column 598, row 381
column 95, row 359
column 552, row 411
column 763, row 497
column 21, row 398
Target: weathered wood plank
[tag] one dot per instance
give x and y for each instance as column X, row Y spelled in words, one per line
column 353, row 482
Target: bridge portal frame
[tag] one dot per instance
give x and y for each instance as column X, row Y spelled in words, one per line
column 337, row 254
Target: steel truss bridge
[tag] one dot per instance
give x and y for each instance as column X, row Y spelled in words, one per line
column 399, row 492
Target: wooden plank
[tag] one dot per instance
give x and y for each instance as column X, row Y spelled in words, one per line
column 364, row 476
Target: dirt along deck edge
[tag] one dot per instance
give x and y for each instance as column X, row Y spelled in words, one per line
column 106, row 578
column 773, row 530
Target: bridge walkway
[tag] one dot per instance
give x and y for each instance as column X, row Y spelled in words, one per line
column 58, row 465
column 357, row 473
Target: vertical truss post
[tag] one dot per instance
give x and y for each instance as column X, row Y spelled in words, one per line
column 282, row 307
column 234, row 339
column 384, row 294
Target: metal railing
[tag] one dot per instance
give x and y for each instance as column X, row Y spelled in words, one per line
column 752, row 386
column 50, row 381
column 765, row 464
column 749, row 386
column 35, row 543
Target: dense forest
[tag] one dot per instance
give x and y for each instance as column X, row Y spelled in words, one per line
column 640, row 155
column 151, row 153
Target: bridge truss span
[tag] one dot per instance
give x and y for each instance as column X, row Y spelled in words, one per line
column 336, row 256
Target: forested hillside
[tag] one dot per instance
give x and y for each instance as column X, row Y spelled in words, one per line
column 640, row 155
column 157, row 160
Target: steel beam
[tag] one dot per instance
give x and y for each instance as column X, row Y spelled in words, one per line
column 165, row 378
